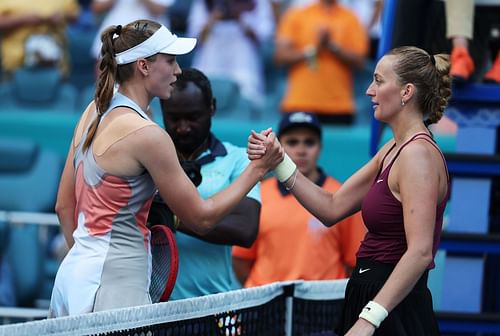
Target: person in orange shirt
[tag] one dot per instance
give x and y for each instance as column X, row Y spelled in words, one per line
column 33, row 33
column 322, row 44
column 292, row 244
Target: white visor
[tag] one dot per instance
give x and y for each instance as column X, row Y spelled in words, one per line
column 162, row 41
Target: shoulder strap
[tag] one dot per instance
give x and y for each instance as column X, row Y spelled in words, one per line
column 405, row 144
column 383, row 159
column 122, row 100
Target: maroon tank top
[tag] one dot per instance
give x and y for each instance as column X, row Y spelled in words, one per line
column 382, row 213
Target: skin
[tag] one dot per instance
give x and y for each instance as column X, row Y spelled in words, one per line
column 306, row 158
column 119, row 149
column 418, row 179
column 188, row 120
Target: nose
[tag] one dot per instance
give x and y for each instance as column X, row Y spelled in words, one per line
column 177, row 69
column 183, row 127
column 370, row 91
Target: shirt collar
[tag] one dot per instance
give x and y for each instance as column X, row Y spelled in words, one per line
column 215, row 149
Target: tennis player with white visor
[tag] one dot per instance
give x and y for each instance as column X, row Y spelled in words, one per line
column 117, row 159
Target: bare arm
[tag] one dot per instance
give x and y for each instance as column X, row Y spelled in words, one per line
column 239, row 228
column 287, row 54
column 331, row 208
column 9, row 22
column 416, row 182
column 327, row 207
column 66, row 202
column 177, row 190
column 349, row 58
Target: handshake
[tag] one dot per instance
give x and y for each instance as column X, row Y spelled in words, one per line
column 264, row 150
column 260, row 143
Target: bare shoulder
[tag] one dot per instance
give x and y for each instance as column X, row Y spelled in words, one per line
column 419, row 154
column 127, row 129
column 383, row 151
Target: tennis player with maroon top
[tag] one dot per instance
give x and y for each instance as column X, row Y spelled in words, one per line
column 401, row 191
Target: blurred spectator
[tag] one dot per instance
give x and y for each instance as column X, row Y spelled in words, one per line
column 33, row 33
column 369, row 13
column 323, row 44
column 292, row 244
column 460, row 29
column 230, row 35
column 115, row 12
column 205, row 261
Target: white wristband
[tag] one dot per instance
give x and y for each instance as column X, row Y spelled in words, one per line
column 374, row 313
column 285, row 169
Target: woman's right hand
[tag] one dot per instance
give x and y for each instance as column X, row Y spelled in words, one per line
column 256, row 147
column 265, row 150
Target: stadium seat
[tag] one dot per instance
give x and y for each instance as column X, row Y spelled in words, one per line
column 29, row 178
column 229, row 101
column 40, row 89
column 85, row 96
column 82, row 64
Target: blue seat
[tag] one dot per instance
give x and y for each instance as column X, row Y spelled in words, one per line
column 85, row 96
column 29, row 178
column 229, row 101
column 40, row 89
column 82, row 64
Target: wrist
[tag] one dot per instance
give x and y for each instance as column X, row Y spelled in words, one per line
column 285, row 169
column 258, row 170
column 374, row 313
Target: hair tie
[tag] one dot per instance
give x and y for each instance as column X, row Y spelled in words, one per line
column 433, row 60
column 118, row 30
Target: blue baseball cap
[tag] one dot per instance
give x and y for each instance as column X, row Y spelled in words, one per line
column 299, row 119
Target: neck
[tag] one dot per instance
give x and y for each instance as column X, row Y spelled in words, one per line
column 401, row 136
column 195, row 153
column 407, row 125
column 135, row 94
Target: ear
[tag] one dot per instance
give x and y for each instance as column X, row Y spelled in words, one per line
column 143, row 66
column 213, row 107
column 407, row 92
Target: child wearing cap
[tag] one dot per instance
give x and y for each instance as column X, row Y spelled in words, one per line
column 292, row 244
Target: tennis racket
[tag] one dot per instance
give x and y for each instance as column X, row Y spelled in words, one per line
column 165, row 259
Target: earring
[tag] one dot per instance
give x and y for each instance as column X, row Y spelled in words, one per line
column 402, row 102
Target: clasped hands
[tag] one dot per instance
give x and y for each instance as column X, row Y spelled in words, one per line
column 265, row 147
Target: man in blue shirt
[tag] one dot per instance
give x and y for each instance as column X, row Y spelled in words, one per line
column 205, row 265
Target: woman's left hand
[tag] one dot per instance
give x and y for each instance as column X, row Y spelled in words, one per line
column 361, row 328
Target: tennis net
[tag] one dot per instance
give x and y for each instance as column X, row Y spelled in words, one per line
column 283, row 308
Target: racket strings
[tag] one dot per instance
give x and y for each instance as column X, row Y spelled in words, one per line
column 164, row 267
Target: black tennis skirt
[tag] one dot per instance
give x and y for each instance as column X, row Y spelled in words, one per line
column 414, row 316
